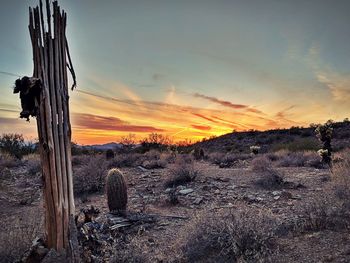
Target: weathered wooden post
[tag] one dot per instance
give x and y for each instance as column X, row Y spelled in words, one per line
column 45, row 96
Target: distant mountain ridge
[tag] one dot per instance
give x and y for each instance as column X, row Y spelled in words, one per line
column 103, row 147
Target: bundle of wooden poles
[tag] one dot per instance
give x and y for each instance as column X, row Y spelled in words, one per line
column 51, row 60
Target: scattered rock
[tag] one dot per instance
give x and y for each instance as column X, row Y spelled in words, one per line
column 296, row 197
column 275, row 193
column 186, row 191
column 168, row 190
column 198, row 200
column 223, row 179
column 277, row 197
column 142, row 168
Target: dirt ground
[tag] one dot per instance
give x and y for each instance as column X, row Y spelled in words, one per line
column 214, row 189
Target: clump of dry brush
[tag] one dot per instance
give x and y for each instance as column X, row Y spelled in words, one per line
column 227, row 236
column 182, row 171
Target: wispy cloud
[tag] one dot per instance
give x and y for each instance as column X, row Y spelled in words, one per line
column 337, row 83
column 227, row 103
column 282, row 113
column 96, row 122
column 201, row 127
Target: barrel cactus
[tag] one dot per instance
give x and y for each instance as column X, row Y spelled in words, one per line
column 116, row 189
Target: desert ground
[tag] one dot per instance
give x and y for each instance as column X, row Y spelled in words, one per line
column 275, row 207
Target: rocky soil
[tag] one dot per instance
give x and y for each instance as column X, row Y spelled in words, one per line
column 155, row 222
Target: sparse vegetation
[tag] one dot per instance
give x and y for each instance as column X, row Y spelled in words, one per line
column 89, row 177
column 17, row 234
column 233, row 236
column 223, row 215
column 183, row 171
column 14, row 144
column 269, row 178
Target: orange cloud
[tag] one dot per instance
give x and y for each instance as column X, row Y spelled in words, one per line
column 201, row 127
column 96, row 122
column 227, row 103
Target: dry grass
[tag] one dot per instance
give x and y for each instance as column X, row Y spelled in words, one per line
column 17, row 234
column 89, row 177
column 8, row 161
column 227, row 236
column 269, row 178
column 341, row 175
column 182, row 171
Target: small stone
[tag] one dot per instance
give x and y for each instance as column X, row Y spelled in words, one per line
column 186, row 191
column 251, row 198
column 296, row 196
column 198, row 200
column 217, row 192
column 168, row 190
column 259, row 199
column 276, row 197
column 232, row 186
column 276, row 193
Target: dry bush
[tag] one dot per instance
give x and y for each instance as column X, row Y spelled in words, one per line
column 324, row 213
column 216, row 157
column 296, row 159
column 127, row 160
column 331, row 210
column 32, row 162
column 341, row 176
column 8, row 161
column 228, row 159
column 269, row 178
column 133, row 250
column 182, row 171
column 89, row 177
column 18, row 232
column 221, row 236
column 154, row 160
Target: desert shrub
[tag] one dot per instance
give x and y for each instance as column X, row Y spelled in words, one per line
column 181, row 172
column 300, row 144
column 269, row 178
column 90, row 176
column 32, row 162
column 109, row 154
column 341, row 176
column 8, row 161
column 14, row 144
column 198, row 153
column 79, row 160
column 298, row 159
column 323, row 213
column 234, row 236
column 216, row 157
column 260, row 164
column 17, row 234
column 228, row 159
column 126, row 160
column 154, row 160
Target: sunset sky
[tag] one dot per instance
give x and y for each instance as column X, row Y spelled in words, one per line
column 189, row 69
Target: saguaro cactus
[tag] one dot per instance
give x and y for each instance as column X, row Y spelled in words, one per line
column 116, row 190
column 45, row 97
